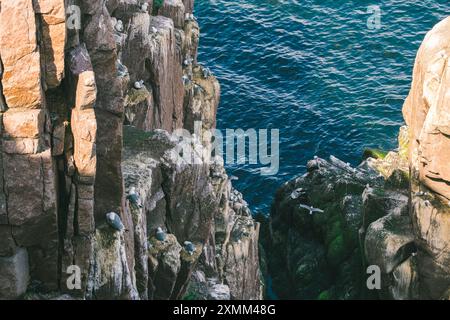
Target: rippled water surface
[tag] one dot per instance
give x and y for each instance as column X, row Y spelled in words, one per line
column 313, row 70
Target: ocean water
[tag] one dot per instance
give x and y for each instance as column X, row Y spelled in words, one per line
column 315, row 71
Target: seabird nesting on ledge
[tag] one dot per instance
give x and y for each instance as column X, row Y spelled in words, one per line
column 114, row 221
column 134, row 198
column 160, row 235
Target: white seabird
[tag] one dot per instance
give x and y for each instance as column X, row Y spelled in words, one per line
column 206, row 73
column 144, row 7
column 189, row 247
column 160, row 235
column 297, row 193
column 138, row 85
column 311, row 209
column 114, row 221
column 188, row 61
column 134, row 198
column 119, row 26
column 186, row 80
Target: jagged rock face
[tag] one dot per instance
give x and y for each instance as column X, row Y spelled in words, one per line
column 198, row 196
column 365, row 221
column 318, row 255
column 68, row 72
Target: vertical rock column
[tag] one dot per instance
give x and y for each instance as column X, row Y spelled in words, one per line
column 28, row 215
column 99, row 38
column 77, row 218
column 94, row 185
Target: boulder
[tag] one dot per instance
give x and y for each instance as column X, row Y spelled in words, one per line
column 389, row 242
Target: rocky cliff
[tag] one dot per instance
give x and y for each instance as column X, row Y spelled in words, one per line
column 391, row 212
column 90, row 95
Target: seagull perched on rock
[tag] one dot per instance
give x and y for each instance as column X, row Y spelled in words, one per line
column 134, row 198
column 245, row 232
column 189, row 17
column 311, row 209
column 119, row 26
column 186, row 80
column 154, row 30
column 297, row 193
column 189, row 247
column 206, row 73
column 160, row 235
column 114, row 221
column 122, row 70
column 138, row 85
column 144, row 7
column 188, row 61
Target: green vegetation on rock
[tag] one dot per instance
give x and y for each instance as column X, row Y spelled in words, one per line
column 399, row 179
column 374, row 153
column 336, row 250
column 325, row 295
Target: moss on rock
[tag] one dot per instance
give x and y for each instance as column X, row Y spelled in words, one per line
column 374, row 153
column 337, row 250
column 325, row 295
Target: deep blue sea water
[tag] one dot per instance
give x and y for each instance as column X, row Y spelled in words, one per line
column 315, row 71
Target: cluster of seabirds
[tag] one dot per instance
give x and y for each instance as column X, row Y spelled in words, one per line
column 188, row 61
column 112, row 218
column 114, row 221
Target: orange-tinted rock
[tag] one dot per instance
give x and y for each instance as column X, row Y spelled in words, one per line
column 53, row 26
column 18, row 48
column 427, row 110
column 84, row 129
column 23, row 123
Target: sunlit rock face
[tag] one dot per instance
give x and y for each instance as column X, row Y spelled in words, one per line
column 72, row 75
column 427, row 113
